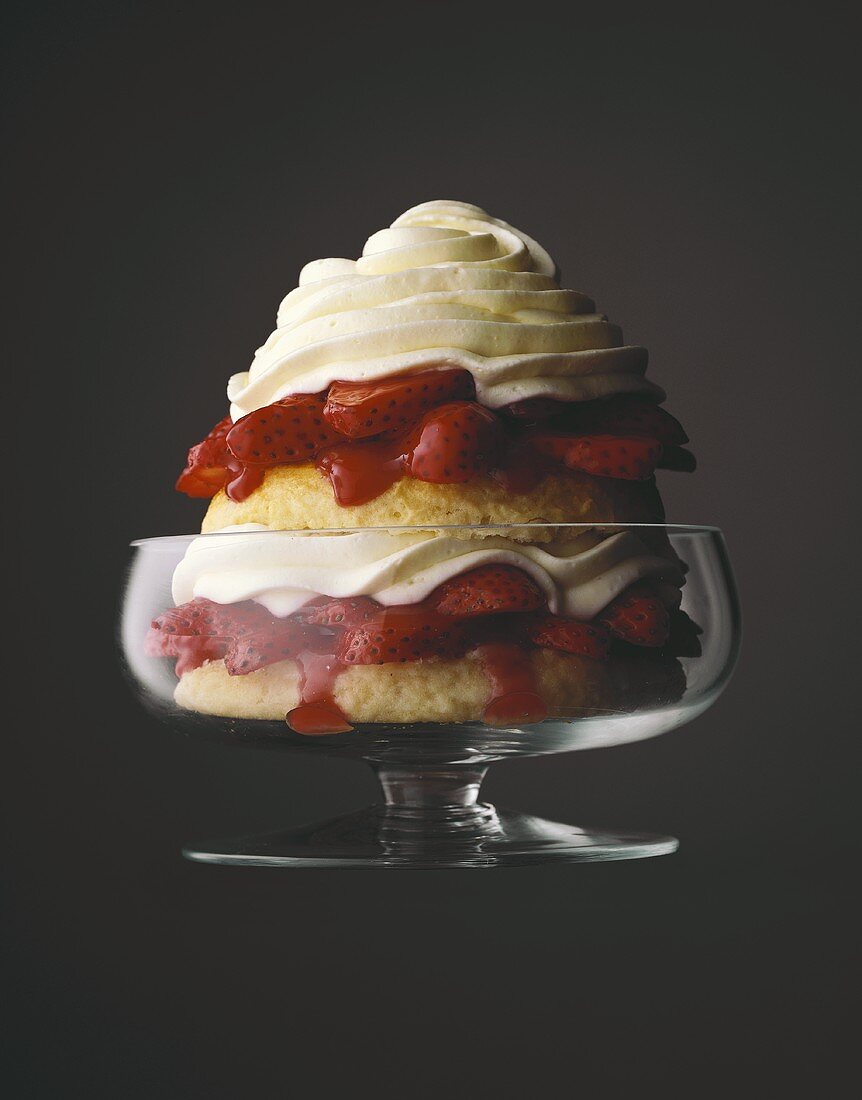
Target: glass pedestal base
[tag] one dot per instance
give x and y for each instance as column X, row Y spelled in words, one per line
column 430, row 817
column 371, row 838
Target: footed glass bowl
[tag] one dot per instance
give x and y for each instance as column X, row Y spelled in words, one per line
column 430, row 703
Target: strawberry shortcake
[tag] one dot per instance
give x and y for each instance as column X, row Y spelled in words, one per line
column 389, row 490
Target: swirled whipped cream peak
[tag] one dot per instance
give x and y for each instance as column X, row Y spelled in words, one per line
column 282, row 570
column 446, row 285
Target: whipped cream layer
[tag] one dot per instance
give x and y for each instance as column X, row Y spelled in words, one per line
column 580, row 573
column 446, row 285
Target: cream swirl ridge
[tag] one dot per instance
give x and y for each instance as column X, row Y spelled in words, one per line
column 282, row 570
column 446, row 285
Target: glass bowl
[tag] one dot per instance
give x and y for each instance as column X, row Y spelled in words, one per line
column 428, row 727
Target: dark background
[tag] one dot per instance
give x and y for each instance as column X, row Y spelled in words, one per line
column 171, row 169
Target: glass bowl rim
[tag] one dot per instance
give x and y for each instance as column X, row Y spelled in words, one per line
column 670, row 528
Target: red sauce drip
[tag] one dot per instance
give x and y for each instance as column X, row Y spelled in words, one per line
column 359, row 472
column 443, row 436
column 317, row 713
column 245, row 482
column 514, row 698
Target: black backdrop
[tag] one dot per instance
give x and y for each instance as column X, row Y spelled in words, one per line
column 172, row 167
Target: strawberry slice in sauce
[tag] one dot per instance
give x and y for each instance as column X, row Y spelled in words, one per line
column 189, row 653
column 361, row 409
column 401, row 634
column 246, row 635
column 248, row 638
column 288, row 431
column 637, row 616
column 205, row 618
column 279, row 640
column 345, row 612
column 631, row 458
column 487, row 590
column 677, row 458
column 569, row 635
column 209, row 464
column 451, row 444
column 627, row 415
column 454, row 443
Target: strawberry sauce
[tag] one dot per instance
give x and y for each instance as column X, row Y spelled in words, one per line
column 317, row 713
column 359, row 472
column 515, row 697
column 246, row 481
column 365, row 436
column 496, row 612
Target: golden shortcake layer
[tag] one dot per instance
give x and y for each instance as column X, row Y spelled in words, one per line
column 433, row 690
column 301, row 498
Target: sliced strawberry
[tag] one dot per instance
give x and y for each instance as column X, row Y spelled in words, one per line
column 637, row 616
column 487, row 590
column 454, row 443
column 360, row 409
column 208, row 466
column 632, row 458
column 245, row 634
column 555, row 632
column 190, row 653
column 204, row 618
column 347, row 612
column 628, row 414
column 677, row 458
column 279, row 640
column 290, row 430
column 683, row 638
column 401, row 634
column 536, row 409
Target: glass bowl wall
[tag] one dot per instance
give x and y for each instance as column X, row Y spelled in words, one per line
column 430, row 772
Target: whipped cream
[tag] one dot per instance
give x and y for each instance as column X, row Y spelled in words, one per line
column 580, row 572
column 446, row 285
